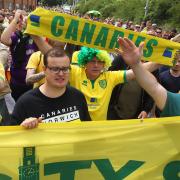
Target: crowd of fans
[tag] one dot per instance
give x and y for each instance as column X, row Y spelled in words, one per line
column 23, row 65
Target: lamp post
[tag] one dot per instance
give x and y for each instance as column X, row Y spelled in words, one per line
column 146, row 8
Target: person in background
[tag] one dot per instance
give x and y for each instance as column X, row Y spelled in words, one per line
column 128, row 100
column 4, row 91
column 159, row 32
column 21, row 48
column 170, row 77
column 35, row 74
column 148, row 27
column 173, row 33
column 165, row 35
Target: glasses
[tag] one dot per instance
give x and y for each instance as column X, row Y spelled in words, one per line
column 56, row 70
column 96, row 62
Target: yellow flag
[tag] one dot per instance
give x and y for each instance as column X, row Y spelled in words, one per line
column 109, row 150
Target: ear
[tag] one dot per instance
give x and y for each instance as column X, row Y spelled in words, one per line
column 44, row 68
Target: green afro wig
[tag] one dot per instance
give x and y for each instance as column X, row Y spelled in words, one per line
column 86, row 55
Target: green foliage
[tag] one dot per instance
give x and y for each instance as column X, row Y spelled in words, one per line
column 163, row 12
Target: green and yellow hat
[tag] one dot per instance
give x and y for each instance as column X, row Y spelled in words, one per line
column 87, row 54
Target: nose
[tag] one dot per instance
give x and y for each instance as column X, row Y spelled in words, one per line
column 60, row 72
column 96, row 63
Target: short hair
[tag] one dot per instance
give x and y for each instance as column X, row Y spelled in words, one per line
column 54, row 52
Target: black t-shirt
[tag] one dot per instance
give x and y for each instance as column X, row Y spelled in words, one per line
column 68, row 107
column 170, row 82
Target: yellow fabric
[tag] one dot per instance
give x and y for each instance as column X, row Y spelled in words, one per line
column 6, row 89
column 107, row 150
column 83, row 32
column 36, row 63
column 2, row 72
column 98, row 97
column 75, row 57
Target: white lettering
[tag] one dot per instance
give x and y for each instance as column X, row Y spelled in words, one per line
column 64, row 117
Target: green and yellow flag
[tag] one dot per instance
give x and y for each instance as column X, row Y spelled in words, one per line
column 75, row 30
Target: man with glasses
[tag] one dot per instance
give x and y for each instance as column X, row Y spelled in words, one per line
column 53, row 101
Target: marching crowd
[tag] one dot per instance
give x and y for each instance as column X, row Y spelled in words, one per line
column 52, row 81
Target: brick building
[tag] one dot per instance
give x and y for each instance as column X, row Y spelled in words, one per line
column 18, row 4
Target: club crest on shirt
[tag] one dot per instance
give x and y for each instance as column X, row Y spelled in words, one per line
column 84, row 83
column 103, row 83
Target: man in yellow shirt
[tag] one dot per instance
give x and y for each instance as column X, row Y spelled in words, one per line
column 94, row 81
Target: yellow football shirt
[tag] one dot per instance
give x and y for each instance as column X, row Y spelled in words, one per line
column 36, row 62
column 75, row 58
column 98, row 94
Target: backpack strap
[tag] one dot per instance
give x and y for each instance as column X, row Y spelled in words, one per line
column 40, row 58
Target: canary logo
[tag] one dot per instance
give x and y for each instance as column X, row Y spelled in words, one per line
column 35, row 20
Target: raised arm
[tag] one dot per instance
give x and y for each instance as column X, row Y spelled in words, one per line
column 132, row 56
column 6, row 35
column 41, row 44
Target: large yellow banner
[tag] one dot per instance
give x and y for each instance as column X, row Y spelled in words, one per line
column 71, row 29
column 109, row 150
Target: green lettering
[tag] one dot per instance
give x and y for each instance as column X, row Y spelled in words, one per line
column 131, row 36
column 87, row 33
column 149, row 51
column 139, row 40
column 56, row 22
column 66, row 169
column 72, row 31
column 108, row 172
column 172, row 171
column 5, row 177
column 114, row 44
column 102, row 37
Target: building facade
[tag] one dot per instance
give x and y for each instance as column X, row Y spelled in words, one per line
column 18, row 4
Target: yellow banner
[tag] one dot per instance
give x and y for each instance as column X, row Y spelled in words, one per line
column 67, row 28
column 109, row 150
